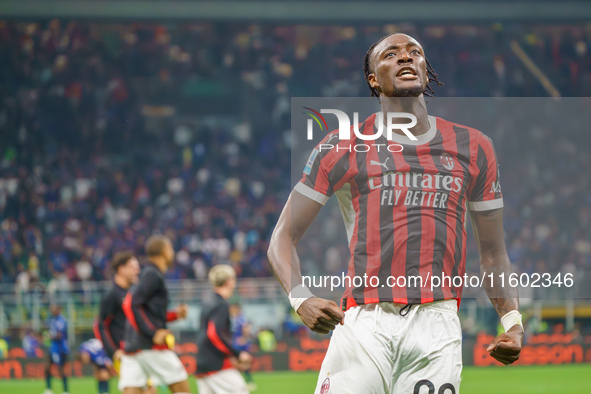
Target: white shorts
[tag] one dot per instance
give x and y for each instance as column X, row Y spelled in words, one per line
column 162, row 366
column 226, row 381
column 377, row 351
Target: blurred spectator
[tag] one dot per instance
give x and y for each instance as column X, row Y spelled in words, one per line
column 266, row 339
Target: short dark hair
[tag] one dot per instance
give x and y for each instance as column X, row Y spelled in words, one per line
column 121, row 258
column 155, row 245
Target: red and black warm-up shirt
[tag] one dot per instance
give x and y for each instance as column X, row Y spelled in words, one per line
column 110, row 325
column 214, row 339
column 145, row 309
column 405, row 211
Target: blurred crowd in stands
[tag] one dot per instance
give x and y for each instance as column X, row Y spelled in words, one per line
column 111, row 132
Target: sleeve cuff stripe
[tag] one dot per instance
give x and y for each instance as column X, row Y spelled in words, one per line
column 485, row 205
column 310, row 193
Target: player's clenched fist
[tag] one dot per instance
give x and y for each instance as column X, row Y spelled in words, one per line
column 507, row 347
column 182, row 311
column 117, row 355
column 243, row 362
column 320, row 315
column 160, row 336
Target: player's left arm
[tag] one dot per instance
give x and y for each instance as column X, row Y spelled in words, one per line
column 486, row 213
column 489, row 234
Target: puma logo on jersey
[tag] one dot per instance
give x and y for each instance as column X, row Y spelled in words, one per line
column 496, row 187
column 331, row 137
column 377, row 163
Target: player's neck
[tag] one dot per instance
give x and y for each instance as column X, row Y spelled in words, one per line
column 224, row 292
column 121, row 282
column 412, row 105
column 160, row 263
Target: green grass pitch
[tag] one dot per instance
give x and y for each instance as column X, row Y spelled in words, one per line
column 567, row 379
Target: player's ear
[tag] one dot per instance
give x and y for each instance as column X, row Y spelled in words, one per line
column 373, row 81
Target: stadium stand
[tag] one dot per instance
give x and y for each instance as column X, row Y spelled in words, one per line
column 101, row 146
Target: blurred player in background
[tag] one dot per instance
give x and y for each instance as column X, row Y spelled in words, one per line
column 93, row 352
column 219, row 362
column 242, row 337
column 149, row 345
column 408, row 338
column 58, row 348
column 110, row 326
column 31, row 344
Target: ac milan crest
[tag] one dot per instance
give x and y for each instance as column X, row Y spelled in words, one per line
column 325, row 386
column 447, row 161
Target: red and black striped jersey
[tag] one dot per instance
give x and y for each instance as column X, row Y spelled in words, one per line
column 404, row 204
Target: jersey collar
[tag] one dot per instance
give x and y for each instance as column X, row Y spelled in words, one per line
column 421, row 139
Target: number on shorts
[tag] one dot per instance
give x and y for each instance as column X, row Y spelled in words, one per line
column 446, row 388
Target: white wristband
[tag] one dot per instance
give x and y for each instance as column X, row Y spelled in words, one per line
column 511, row 319
column 298, row 295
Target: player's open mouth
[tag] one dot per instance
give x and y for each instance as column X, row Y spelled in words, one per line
column 407, row 73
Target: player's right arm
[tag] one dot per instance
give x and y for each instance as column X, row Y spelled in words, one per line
column 299, row 212
column 325, row 172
